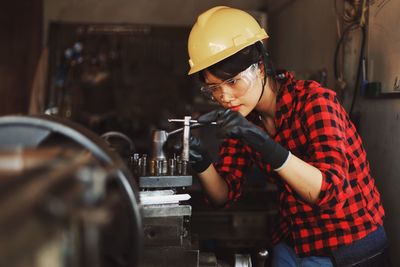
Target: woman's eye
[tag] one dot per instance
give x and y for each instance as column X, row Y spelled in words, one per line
column 213, row 88
column 232, row 81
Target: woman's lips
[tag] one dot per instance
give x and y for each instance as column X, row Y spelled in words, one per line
column 235, row 108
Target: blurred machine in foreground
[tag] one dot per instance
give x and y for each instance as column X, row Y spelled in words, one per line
column 66, row 199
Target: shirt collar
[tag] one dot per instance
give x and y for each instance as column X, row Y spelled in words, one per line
column 285, row 99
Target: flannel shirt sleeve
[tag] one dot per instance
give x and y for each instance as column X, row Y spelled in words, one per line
column 325, row 121
column 232, row 164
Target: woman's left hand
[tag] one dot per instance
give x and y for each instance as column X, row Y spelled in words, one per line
column 233, row 124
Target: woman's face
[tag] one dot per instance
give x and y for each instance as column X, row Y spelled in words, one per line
column 240, row 93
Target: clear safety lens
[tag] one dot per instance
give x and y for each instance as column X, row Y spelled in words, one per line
column 237, row 86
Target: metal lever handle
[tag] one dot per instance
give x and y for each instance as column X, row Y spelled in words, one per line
column 191, row 121
column 195, row 124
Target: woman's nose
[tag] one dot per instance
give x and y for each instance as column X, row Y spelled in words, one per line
column 226, row 93
column 226, row 97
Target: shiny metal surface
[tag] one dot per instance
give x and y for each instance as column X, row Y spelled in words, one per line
column 159, row 138
column 165, row 181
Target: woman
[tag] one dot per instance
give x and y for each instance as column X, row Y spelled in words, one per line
column 297, row 133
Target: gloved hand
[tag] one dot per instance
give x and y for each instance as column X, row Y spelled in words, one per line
column 199, row 157
column 233, row 124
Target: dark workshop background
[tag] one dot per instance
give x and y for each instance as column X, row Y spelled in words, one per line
column 144, row 62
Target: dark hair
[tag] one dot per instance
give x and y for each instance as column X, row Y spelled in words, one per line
column 233, row 65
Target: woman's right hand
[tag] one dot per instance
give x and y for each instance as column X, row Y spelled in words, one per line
column 199, row 157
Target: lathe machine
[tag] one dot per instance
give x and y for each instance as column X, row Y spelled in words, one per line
column 69, row 199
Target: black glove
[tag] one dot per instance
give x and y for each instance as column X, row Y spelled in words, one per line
column 233, row 124
column 199, row 158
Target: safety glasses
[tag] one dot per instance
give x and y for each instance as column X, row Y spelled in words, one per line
column 238, row 85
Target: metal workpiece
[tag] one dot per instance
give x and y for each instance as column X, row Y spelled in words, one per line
column 159, row 138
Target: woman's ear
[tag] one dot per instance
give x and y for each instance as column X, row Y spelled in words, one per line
column 261, row 69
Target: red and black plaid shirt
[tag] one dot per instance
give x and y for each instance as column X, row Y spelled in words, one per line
column 311, row 123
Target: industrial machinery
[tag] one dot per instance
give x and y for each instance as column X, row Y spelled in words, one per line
column 166, row 216
column 164, row 179
column 71, row 198
column 66, row 199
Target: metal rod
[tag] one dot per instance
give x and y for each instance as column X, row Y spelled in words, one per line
column 185, row 140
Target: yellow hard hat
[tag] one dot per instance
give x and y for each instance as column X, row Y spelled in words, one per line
column 219, row 33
